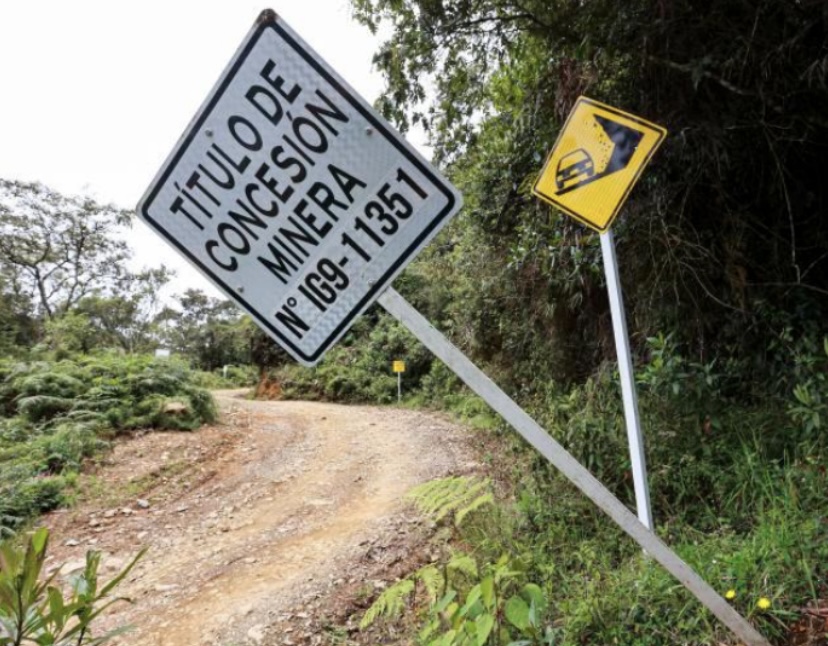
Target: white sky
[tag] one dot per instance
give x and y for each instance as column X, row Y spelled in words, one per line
column 95, row 93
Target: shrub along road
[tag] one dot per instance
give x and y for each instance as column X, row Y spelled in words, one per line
column 285, row 518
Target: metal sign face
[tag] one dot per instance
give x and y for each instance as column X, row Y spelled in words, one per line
column 293, row 196
column 599, row 155
column 399, row 366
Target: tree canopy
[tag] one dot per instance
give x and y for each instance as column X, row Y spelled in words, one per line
column 56, row 249
column 65, row 274
column 723, row 242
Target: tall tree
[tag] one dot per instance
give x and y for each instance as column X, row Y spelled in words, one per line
column 125, row 316
column 724, row 240
column 55, row 249
column 17, row 327
column 212, row 332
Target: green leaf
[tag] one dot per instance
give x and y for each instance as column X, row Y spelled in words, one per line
column 432, row 580
column 446, row 639
column 120, row 577
column 487, row 589
column 485, row 499
column 463, row 563
column 57, row 609
column 40, row 540
column 445, row 601
column 517, row 613
column 472, row 598
column 533, row 594
column 389, row 604
column 484, row 625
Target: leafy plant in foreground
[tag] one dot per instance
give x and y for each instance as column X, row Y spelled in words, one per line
column 495, row 610
column 471, row 605
column 810, row 410
column 36, row 611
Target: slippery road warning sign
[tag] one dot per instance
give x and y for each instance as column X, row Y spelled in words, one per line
column 595, row 162
column 293, row 196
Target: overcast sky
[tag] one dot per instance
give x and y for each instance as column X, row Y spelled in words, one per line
column 95, row 93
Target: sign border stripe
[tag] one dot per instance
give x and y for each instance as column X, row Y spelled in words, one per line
column 661, row 132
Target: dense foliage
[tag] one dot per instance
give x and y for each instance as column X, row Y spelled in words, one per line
column 723, row 243
column 56, row 415
column 723, row 248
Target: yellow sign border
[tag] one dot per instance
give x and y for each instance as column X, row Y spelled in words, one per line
column 662, row 133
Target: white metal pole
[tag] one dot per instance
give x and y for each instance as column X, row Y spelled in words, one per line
column 399, row 387
column 625, row 370
column 533, row 433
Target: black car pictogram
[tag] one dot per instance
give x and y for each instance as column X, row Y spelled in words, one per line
column 574, row 168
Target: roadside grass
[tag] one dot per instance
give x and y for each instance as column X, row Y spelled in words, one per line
column 90, row 488
column 56, row 416
column 599, row 586
column 739, row 484
column 604, row 590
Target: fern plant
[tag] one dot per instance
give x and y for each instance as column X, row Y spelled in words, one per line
column 56, row 415
column 390, row 604
column 433, row 580
column 460, row 495
column 469, row 604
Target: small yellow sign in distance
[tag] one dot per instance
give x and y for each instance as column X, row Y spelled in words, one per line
column 399, row 366
column 599, row 155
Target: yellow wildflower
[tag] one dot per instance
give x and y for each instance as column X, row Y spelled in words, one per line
column 730, row 594
column 763, row 604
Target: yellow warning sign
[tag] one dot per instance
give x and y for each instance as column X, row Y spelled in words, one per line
column 596, row 161
column 399, row 366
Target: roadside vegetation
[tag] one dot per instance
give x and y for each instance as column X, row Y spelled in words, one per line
column 723, row 250
column 57, row 415
column 738, row 481
column 35, row 610
column 78, row 331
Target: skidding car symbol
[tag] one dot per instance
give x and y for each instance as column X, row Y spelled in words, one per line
column 574, row 168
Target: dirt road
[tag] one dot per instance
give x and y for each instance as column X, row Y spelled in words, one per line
column 264, row 529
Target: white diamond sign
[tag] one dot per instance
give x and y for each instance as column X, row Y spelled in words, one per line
column 293, row 196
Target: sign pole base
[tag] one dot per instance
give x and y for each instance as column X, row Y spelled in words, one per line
column 533, row 433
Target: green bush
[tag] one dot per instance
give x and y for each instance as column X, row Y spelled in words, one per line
column 57, row 415
column 739, row 484
column 237, row 377
column 359, row 368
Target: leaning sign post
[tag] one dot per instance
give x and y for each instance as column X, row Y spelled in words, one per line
column 599, row 155
column 297, row 200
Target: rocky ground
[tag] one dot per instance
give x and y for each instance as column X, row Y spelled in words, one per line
column 276, row 526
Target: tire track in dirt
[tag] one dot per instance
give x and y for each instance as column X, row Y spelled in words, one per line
column 293, row 497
